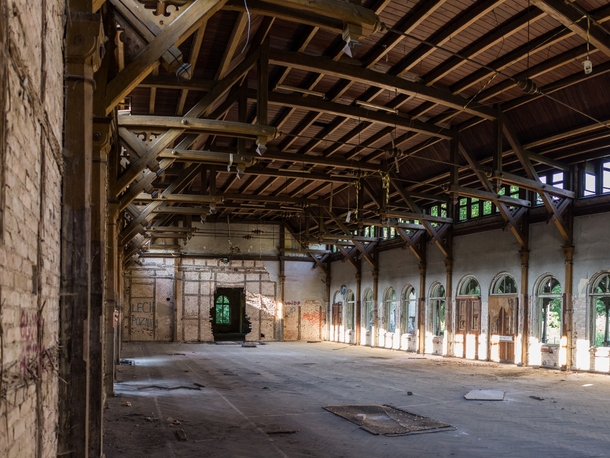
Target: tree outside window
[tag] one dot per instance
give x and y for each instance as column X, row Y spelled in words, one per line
column 390, row 309
column 368, row 307
column 408, row 311
column 438, row 304
column 550, row 301
column 223, row 310
column 349, row 313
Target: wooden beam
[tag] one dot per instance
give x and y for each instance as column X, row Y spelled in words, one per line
column 355, row 112
column 198, row 125
column 381, row 80
column 134, row 14
column 533, row 185
column 326, row 14
column 191, row 18
column 227, row 57
column 487, row 195
column 576, row 22
column 202, row 108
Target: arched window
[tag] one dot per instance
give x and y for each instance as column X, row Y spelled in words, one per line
column 408, row 310
column 223, row 310
column 349, row 310
column 600, row 311
column 390, row 309
column 505, row 284
column 368, row 309
column 470, row 287
column 549, row 310
column 437, row 306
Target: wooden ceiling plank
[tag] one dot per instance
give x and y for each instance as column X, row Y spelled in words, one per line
column 355, row 112
column 444, row 34
column 383, row 81
column 498, row 34
column 576, row 22
column 408, row 23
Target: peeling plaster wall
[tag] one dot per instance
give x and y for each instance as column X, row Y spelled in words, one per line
column 31, row 96
column 485, row 255
column 167, row 299
column 591, row 257
column 305, row 302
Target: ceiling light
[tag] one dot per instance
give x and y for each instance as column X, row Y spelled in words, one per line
column 300, row 90
column 376, row 107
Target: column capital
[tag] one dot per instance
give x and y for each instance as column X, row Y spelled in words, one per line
column 449, row 264
column 85, row 40
column 524, row 255
column 568, row 252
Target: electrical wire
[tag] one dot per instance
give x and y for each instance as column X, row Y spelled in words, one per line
column 248, row 34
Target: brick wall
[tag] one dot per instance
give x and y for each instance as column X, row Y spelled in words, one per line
column 31, row 124
column 194, row 284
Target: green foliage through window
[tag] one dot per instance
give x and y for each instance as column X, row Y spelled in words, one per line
column 223, row 310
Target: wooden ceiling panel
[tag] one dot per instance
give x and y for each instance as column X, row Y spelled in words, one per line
column 478, row 62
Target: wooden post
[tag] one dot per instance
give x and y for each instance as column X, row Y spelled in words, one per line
column 101, row 147
column 375, row 333
column 282, row 243
column 568, row 252
column 449, row 307
column 524, row 254
column 84, row 39
column 421, row 306
column 358, row 312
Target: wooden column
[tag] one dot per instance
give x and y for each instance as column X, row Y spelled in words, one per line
column 83, row 44
column 421, row 307
column 358, row 311
column 524, row 254
column 568, row 252
column 101, row 147
column 375, row 334
column 328, row 300
column 449, row 307
column 111, row 311
column 282, row 243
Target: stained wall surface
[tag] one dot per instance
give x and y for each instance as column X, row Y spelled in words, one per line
column 31, row 124
column 486, row 256
column 173, row 299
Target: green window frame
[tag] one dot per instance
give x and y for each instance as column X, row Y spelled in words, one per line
column 223, row 310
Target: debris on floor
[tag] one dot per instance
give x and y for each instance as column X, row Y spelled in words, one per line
column 388, row 420
column 199, row 385
column 249, row 344
column 285, row 431
column 127, row 403
column 173, row 421
column 537, row 398
column 180, row 434
column 484, row 395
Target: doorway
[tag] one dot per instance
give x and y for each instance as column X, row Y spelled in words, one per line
column 228, row 315
column 469, row 326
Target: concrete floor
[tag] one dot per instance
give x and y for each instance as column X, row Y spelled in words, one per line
column 249, row 392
